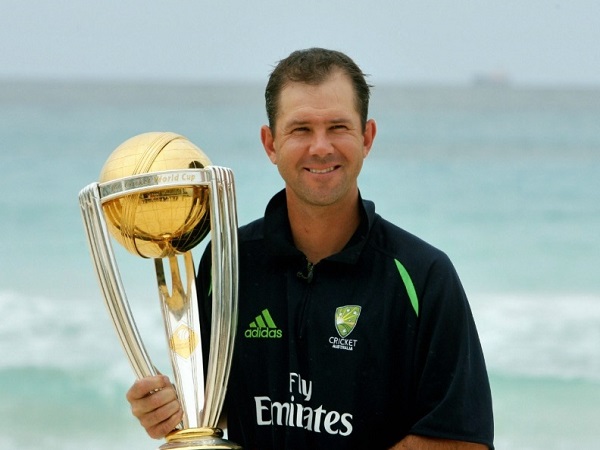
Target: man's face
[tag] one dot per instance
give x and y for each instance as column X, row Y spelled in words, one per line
column 318, row 144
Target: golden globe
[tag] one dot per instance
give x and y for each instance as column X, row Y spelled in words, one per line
column 165, row 221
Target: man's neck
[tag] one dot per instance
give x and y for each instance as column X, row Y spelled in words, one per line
column 321, row 231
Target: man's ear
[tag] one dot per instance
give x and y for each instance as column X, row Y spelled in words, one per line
column 369, row 136
column 266, row 137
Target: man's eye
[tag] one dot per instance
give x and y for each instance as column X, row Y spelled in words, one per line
column 339, row 127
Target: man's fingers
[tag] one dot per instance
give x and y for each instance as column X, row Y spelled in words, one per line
column 162, row 420
column 145, row 386
column 153, row 401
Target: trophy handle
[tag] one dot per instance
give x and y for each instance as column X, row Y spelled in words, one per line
column 223, row 210
column 110, row 281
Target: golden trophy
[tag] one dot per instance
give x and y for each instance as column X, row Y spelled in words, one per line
column 159, row 196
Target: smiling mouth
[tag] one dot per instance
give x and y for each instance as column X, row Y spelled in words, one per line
column 319, row 171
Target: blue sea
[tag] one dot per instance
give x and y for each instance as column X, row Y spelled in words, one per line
column 505, row 179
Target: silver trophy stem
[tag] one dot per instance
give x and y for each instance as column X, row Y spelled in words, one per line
column 182, row 326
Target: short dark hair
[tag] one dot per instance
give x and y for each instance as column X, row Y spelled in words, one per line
column 313, row 66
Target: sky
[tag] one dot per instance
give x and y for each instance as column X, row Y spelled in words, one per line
column 532, row 42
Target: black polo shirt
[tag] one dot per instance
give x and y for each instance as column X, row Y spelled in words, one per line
column 355, row 352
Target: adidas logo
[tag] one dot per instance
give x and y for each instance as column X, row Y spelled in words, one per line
column 263, row 327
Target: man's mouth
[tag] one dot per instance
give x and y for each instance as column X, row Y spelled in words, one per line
column 319, row 171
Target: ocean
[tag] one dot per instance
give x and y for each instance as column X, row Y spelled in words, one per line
column 506, row 180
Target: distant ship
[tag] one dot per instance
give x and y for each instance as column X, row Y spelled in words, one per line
column 492, row 79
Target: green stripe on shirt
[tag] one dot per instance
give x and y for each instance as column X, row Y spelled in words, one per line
column 410, row 287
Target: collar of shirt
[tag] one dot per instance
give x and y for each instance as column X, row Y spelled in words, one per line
column 278, row 235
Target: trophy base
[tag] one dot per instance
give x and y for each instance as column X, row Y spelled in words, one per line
column 198, row 439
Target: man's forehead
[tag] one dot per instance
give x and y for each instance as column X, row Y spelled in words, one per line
column 333, row 92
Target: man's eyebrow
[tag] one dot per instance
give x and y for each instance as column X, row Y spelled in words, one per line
column 295, row 123
column 301, row 122
column 340, row 120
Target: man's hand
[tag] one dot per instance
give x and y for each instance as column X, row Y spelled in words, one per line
column 154, row 402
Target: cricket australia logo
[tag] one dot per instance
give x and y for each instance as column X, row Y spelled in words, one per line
column 346, row 318
column 263, row 326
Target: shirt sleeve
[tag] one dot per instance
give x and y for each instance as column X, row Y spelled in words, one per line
column 453, row 397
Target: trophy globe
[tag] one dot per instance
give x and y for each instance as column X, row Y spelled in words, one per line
column 166, row 221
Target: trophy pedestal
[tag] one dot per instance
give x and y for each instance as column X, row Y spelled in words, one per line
column 198, row 439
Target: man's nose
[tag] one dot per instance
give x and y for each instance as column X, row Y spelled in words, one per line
column 321, row 144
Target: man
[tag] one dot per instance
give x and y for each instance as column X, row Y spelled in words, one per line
column 352, row 333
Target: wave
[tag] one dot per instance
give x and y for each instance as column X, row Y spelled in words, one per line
column 542, row 336
column 527, row 334
column 71, row 335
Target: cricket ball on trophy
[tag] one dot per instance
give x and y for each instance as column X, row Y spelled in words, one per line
column 165, row 221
